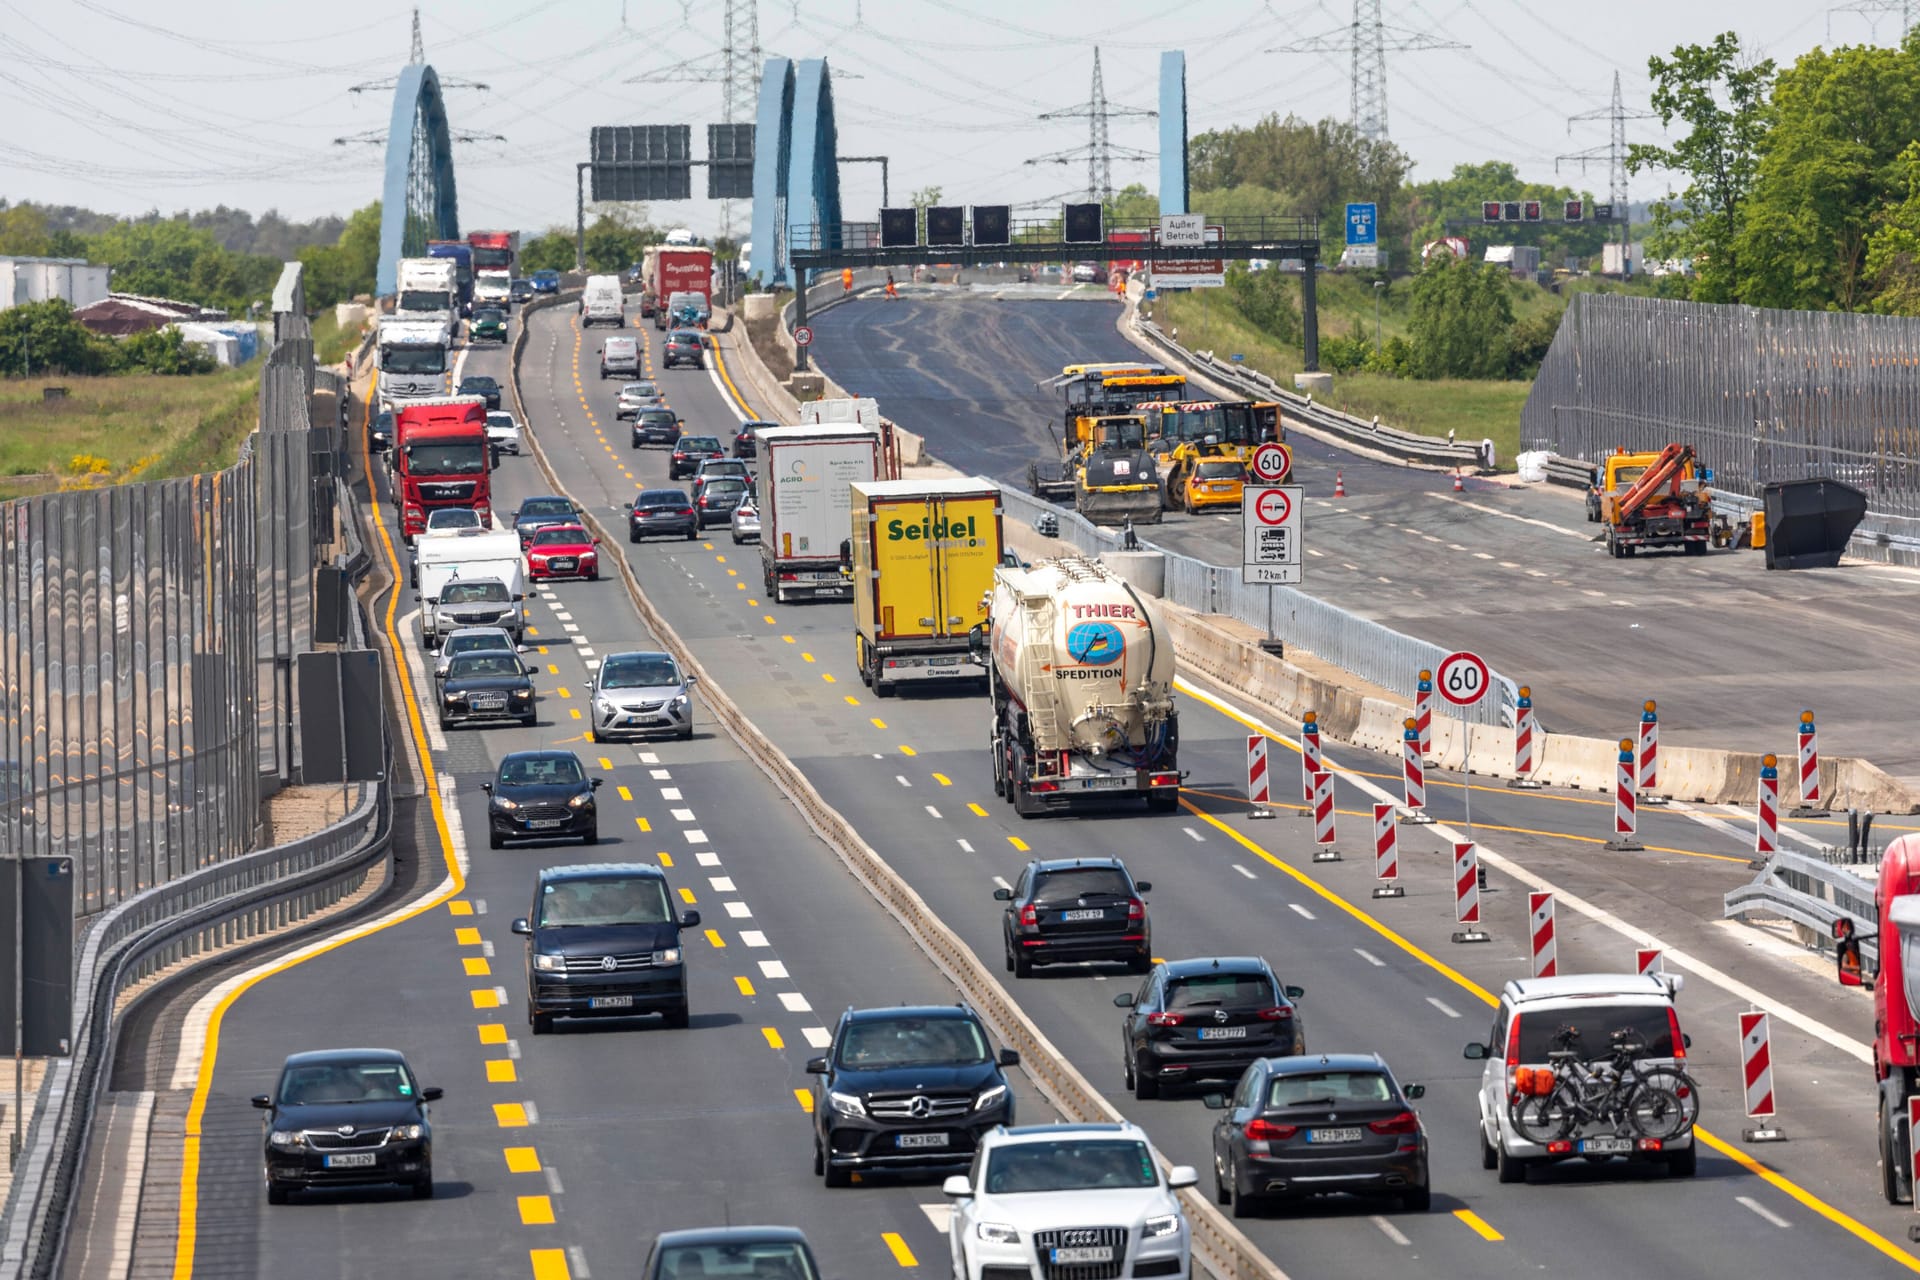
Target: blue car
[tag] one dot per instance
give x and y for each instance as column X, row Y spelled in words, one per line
column 546, row 282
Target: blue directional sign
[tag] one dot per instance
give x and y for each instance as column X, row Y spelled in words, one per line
column 1362, row 220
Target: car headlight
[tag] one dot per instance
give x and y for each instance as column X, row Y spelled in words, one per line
column 549, row 964
column 847, row 1104
column 682, row 700
column 454, row 696
column 506, row 805
column 289, row 1139
column 996, row 1233
column 407, row 1133
column 582, row 801
column 991, row 1097
column 667, row 955
column 1165, row 1225
column 523, row 694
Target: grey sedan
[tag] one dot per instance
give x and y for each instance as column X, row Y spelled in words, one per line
column 638, row 693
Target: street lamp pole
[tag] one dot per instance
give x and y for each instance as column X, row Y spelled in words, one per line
column 1378, row 285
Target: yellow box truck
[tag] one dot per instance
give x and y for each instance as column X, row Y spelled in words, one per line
column 922, row 556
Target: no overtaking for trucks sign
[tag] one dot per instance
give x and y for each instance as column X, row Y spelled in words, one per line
column 1271, row 523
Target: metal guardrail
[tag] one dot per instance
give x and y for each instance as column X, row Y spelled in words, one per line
column 1810, row 892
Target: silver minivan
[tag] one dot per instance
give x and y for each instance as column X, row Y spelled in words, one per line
column 620, row 358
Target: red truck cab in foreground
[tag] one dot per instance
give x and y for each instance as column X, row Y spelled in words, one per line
column 441, row 459
column 1896, row 995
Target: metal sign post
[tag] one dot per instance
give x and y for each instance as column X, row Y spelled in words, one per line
column 1463, row 679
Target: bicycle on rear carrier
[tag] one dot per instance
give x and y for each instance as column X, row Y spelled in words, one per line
column 1621, row 1091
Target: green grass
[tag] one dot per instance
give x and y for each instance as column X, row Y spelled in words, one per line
column 115, row 429
column 331, row 343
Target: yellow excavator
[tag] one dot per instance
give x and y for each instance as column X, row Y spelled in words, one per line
column 1182, row 433
column 1104, row 465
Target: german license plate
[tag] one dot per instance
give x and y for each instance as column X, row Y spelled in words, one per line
column 943, row 662
column 921, row 1140
column 610, row 1002
column 1107, row 781
column 545, row 824
column 495, row 703
column 1333, row 1135
column 1223, row 1033
column 1102, row 1253
column 561, row 563
column 1605, row 1146
column 1074, row 917
column 351, row 1160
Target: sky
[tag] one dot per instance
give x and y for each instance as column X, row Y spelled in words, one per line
column 125, row 106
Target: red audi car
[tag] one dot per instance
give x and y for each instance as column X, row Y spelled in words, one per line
column 563, row 551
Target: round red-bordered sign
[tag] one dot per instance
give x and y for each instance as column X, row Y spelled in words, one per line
column 1272, row 462
column 803, row 337
column 1273, row 506
column 1462, row 678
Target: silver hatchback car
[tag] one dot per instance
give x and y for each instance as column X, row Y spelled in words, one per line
column 640, row 693
column 746, row 522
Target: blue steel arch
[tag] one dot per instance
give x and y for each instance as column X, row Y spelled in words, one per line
column 772, row 145
column 418, row 202
column 796, row 164
column 1173, row 132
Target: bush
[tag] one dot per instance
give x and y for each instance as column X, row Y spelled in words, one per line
column 163, row 351
column 43, row 337
column 1527, row 344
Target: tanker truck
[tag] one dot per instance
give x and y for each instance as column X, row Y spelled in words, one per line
column 1080, row 669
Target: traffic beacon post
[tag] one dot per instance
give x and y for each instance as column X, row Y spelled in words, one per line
column 1526, row 742
column 1272, row 529
column 1463, row 679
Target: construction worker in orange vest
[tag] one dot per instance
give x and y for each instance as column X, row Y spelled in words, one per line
column 846, row 282
column 891, row 291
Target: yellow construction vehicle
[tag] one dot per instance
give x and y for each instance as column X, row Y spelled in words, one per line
column 1182, row 433
column 1103, row 464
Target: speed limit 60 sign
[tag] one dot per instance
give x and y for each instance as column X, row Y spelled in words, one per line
column 1271, row 529
column 1272, row 462
column 1462, row 678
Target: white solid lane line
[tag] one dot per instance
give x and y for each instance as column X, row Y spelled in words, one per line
column 1243, row 871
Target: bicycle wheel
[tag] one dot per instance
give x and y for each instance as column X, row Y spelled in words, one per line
column 1546, row 1119
column 1656, row 1112
column 1680, row 1085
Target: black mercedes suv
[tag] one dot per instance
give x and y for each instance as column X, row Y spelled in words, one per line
column 603, row 941
column 908, row 1088
column 1068, row 909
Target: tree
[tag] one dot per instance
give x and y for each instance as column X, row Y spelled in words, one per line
column 1893, row 251
column 1315, row 168
column 1266, row 300
column 43, row 337
column 1720, row 95
column 925, row 196
column 1459, row 321
column 24, row 232
column 1458, row 197
column 163, row 351
column 552, row 251
column 359, row 246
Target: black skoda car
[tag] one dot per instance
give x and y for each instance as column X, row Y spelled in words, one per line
column 603, row 941
column 1207, row 1019
column 347, row 1117
column 541, row 795
column 906, row 1088
column 1076, row 909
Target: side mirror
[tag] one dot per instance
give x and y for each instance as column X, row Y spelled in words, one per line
column 432, row 1093
column 626, row 506
column 596, row 782
column 846, row 553
column 264, row 1101
column 957, row 1187
column 1686, row 1041
column 596, row 542
column 1144, row 886
column 1003, row 895
column 1476, row 1052
column 530, row 669
column 1415, row 1092
column 976, row 641
column 1124, row 1000
column 487, row 787
column 1214, row 1101
column 523, row 927
column 1009, row 1057
column 692, row 679
column 1295, row 993
column 816, row 1066
column 1182, row 1175
column 689, row 919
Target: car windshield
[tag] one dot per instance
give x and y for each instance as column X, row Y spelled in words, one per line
column 1328, row 1088
column 1070, row 1164
column 446, row 459
column 1081, row 882
column 334, row 1083
column 478, row 642
column 489, row 313
column 687, row 337
column 693, row 444
column 453, row 518
column 558, row 535
column 1596, row 1023
column 540, row 771
column 473, row 593
column 479, row 384
column 1220, row 990
column 1225, row 470
column 545, row 507
column 605, row 900
column 881, row 1043
column 657, row 417
column 759, row 1261
column 639, row 671
column 725, row 486
column 502, row 422
column 483, row 665
column 413, row 360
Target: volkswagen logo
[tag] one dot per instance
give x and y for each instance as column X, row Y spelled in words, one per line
column 921, row 1107
column 609, row 963
column 1219, row 1015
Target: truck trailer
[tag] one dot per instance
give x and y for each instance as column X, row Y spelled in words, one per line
column 677, row 269
column 923, row 553
column 429, row 290
column 803, row 480
column 471, row 578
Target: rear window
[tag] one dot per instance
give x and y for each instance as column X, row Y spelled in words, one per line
column 546, row 507
column 665, row 501
column 1319, row 1086
column 1078, row 882
column 700, row 442
column 1596, row 1024
column 1221, row 990
column 1218, row 471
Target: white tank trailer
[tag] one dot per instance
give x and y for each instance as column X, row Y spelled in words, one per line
column 1082, row 674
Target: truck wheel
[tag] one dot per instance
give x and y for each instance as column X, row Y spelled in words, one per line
column 1023, row 804
column 860, row 661
column 1889, row 1159
column 1163, row 800
column 881, row 689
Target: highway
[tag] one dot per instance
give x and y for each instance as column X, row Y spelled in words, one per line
column 1731, row 652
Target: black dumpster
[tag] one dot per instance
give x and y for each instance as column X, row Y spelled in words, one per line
column 1809, row 521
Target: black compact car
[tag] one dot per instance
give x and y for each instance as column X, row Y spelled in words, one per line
column 479, row 384
column 655, row 426
column 722, row 468
column 603, row 940
column 718, row 497
column 1072, row 909
column 1207, row 1019
column 541, row 795
column 906, row 1088
column 520, row 291
column 662, row 513
column 347, row 1117
column 689, row 452
column 486, row 686
column 381, row 434
column 780, row 1252
column 1313, row 1126
column 684, row 347
column 535, row 512
column 745, row 443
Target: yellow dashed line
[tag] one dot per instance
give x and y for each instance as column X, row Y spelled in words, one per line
column 510, row 1115
column 522, row 1160
column 745, row 985
column 460, row 907
column 477, row 967
column 686, row 894
column 552, row 670
column 625, row 794
column 666, row 859
column 500, row 1071
column 574, row 711
column 828, row 677
column 906, row 750
column 467, row 937
column 536, row 1211
column 943, row 779
column 806, row 1100
column 565, row 692
column 1478, row 1225
column 978, row 812
column 878, row 723
column 788, row 639
column 901, row 1254
column 768, row 617
column 713, row 936
column 492, row 1033
column 773, row 1038
column 806, row 657
column 605, row 763
column 550, row 1264
column 643, row 824
column 1017, row 843
column 485, row 998
column 852, row 701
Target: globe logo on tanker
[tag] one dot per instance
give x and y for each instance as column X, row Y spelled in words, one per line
column 1095, row 644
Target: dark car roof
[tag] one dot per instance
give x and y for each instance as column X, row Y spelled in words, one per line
column 684, row 335
column 481, row 378
column 317, row 1057
column 544, row 498
column 956, row 1012
column 1327, row 1062
column 588, row 870
column 697, row 1236
column 1216, row 964
column 1067, row 864
column 543, row 753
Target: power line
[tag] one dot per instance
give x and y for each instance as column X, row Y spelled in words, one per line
column 1367, row 42
column 1615, row 153
column 416, row 57
column 1099, row 151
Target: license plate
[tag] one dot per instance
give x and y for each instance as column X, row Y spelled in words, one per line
column 1103, row 1253
column 921, row 1140
column 351, row 1160
column 545, row 824
column 610, row 1002
column 1605, row 1146
column 560, row 563
column 1333, row 1135
column 1107, row 781
column 943, row 662
column 1073, row 917
column 494, row 703
column 1223, row 1033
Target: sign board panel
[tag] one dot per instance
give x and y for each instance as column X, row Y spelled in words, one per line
column 1272, row 528
column 1462, row 678
column 1272, row 462
column 1183, row 230
column 1362, row 224
column 641, row 162
column 1191, row 273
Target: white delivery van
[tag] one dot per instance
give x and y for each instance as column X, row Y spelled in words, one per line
column 619, row 358
column 471, row 578
column 601, row 302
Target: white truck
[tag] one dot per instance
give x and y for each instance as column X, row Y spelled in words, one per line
column 413, row 356
column 471, row 578
column 803, row 477
column 493, row 288
column 601, row 302
column 429, row 289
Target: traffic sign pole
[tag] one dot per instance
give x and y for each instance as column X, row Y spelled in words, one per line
column 1463, row 678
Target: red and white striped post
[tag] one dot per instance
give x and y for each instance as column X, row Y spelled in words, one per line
column 1466, row 893
column 1646, row 960
column 1386, row 854
column 1649, row 782
column 1756, row 1069
column 1809, row 768
column 1546, row 946
column 1526, row 737
column 1626, row 816
column 1423, row 715
column 1766, row 817
column 1312, row 760
column 1413, row 775
column 1258, row 778
column 1323, row 835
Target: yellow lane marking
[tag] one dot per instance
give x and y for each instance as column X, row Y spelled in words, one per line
column 978, row 812
column 510, row 1115
column 686, row 894
column 906, row 750
column 467, row 937
column 828, row 677
column 877, row 722
column 542, row 649
column 1478, row 1225
column 477, row 967
column 806, row 1100
column 852, row 701
column 901, row 1254
column 768, row 617
column 713, row 936
column 605, row 763
column 1017, row 843
column 565, row 692
column 552, row 670
column 534, row 631
column 522, row 1160
column 625, row 794
column 742, row 586
column 574, row 712
column 733, row 573
column 492, row 1033
column 500, row 1071
column 943, row 779
column 550, row 1264
column 745, row 985
column 666, row 859
column 486, row 998
column 536, row 1211
column 789, row 639
column 721, row 559
column 720, row 366
column 752, row 603
column 643, row 824
column 773, row 1038
column 806, row 657
column 459, row 908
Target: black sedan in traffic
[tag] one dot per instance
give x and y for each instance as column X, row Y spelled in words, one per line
column 1207, row 1019
column 479, row 384
column 689, row 452
column 718, row 498
column 486, row 686
column 536, row 512
column 1307, row 1126
column 662, row 513
column 745, row 443
column 1076, row 909
column 347, row 1117
column 541, row 795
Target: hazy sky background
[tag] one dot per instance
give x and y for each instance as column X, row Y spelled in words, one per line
column 127, row 105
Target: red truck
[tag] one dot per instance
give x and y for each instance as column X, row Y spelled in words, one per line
column 493, row 250
column 441, row 459
column 679, row 269
column 1896, row 996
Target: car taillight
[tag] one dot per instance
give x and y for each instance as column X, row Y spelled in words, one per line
column 1261, row 1129
column 1136, row 909
column 687, row 512
column 1166, row 1019
column 1279, row 1013
column 1673, row 1029
column 703, row 501
column 1029, row 916
column 1405, row 1122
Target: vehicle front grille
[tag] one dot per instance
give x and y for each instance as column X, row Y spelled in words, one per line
column 1114, row 1238
column 358, row 1140
column 902, row 1107
column 596, row 964
column 543, row 812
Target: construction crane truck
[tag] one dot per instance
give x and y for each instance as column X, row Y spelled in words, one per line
column 1896, row 1005
column 1080, row 670
column 1665, row 503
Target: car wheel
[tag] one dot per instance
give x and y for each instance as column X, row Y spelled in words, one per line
column 1022, row 965
column 1244, row 1205
column 693, row 535
column 495, row 841
column 1163, row 800
column 678, row 1017
column 1489, row 1158
column 529, row 722
column 276, row 1194
column 595, row 575
column 1684, row 1164
column 1006, row 954
column 592, row 836
column 1222, row 1187
column 686, row 734
column 819, row 1160
column 837, row 1177
column 1145, row 1085
column 633, row 536
column 1139, row 964
column 1511, row 1168
column 423, row 1189
column 1417, row 1200
column 593, row 735
column 542, row 1023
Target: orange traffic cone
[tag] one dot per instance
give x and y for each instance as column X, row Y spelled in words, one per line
column 1458, row 487
column 1339, row 485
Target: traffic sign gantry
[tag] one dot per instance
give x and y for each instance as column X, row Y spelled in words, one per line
column 803, row 337
column 1272, row 462
column 1463, row 678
